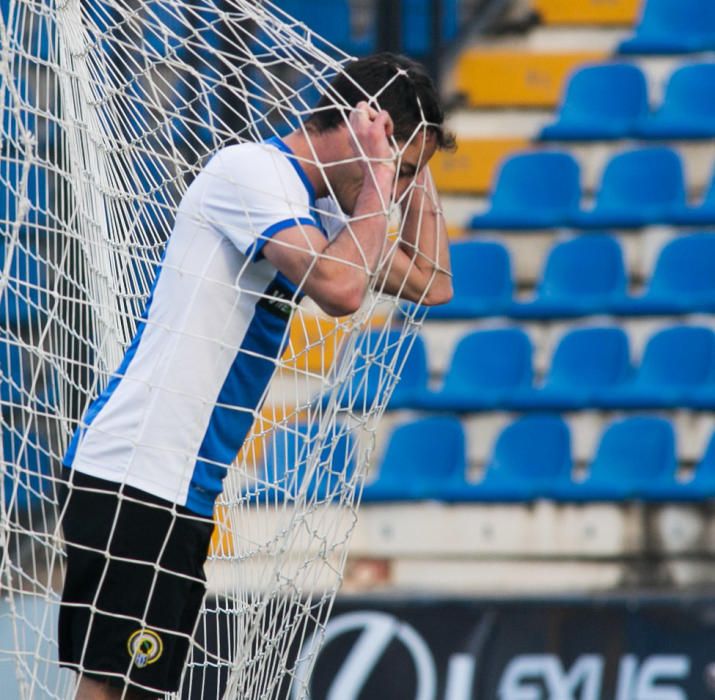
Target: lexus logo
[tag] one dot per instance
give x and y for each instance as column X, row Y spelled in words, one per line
column 377, row 631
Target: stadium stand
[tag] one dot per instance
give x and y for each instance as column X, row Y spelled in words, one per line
column 584, row 275
column 290, row 455
column 370, row 379
column 499, row 78
column 587, row 363
column 673, row 26
column 487, row 370
column 600, row 98
column 531, row 459
column 424, row 459
column 639, row 187
column 587, row 12
column 601, row 102
column 635, row 459
column 676, row 362
column 688, row 108
column 683, row 280
column 533, row 190
column 482, row 281
column 21, row 300
column 701, row 214
column 34, row 465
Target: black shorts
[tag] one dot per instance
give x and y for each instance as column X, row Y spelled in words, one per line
column 134, row 584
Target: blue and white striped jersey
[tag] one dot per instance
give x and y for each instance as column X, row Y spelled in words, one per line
column 177, row 410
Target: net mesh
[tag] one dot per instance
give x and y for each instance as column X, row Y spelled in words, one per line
column 109, row 110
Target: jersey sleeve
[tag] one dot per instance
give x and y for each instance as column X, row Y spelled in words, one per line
column 332, row 218
column 251, row 193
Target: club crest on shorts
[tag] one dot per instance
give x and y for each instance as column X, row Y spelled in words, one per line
column 145, row 647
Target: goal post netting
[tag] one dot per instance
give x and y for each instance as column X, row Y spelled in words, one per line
column 108, row 111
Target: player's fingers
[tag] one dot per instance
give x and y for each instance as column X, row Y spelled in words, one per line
column 383, row 123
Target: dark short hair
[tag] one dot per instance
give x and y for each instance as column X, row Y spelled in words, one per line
column 386, row 81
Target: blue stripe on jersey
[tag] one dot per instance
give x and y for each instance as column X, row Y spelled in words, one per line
column 255, row 250
column 98, row 404
column 282, row 146
column 239, row 398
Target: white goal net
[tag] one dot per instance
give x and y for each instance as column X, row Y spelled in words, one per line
column 109, row 109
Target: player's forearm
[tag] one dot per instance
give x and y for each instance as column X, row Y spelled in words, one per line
column 345, row 267
column 420, row 270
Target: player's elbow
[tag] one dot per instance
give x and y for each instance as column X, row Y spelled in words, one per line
column 342, row 298
column 439, row 293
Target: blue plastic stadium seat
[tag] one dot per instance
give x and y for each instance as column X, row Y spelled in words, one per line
column 677, row 361
column 586, row 364
column 673, row 26
column 688, row 108
column 683, row 280
column 531, row 459
column 639, row 187
column 532, row 191
column 702, row 213
column 12, row 195
column 601, row 102
column 635, row 459
column 702, row 484
column 379, row 355
column 24, row 298
column 286, row 461
column 488, row 370
column 330, row 19
column 424, row 459
column 482, row 281
column 584, row 275
column 27, row 469
column 417, row 25
column 13, row 371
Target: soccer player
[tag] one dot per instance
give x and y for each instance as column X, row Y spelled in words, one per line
column 260, row 226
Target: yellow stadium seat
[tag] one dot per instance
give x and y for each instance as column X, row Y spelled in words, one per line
column 612, row 12
column 314, row 342
column 470, row 170
column 497, row 78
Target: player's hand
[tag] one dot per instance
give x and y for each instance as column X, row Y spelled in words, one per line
column 371, row 132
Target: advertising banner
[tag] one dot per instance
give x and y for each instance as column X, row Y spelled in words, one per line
column 447, row 649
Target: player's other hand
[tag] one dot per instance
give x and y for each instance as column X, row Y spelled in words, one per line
column 371, row 132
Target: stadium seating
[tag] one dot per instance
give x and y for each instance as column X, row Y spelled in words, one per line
column 582, row 276
column 639, row 187
column 330, row 19
column 587, row 12
column 688, row 108
column 517, row 78
column 673, row 26
column 424, row 459
column 23, row 298
column 27, row 472
column 370, row 379
column 701, row 214
column 683, row 280
column 417, row 25
column 676, row 362
column 586, row 365
column 531, row 459
column 482, row 281
column 533, row 190
column 600, row 102
column 635, row 459
column 286, row 462
column 12, row 373
column 702, row 484
column 488, row 369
